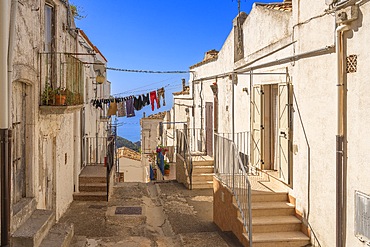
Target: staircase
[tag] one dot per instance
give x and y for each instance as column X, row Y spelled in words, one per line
column 274, row 223
column 202, row 172
column 93, row 184
column 40, row 230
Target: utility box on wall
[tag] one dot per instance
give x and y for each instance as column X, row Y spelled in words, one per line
column 362, row 217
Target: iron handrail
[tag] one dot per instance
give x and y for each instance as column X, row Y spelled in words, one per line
column 184, row 150
column 233, row 173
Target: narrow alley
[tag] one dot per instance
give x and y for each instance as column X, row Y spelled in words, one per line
column 152, row 214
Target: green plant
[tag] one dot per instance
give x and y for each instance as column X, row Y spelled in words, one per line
column 166, row 165
column 47, row 95
column 76, row 12
column 60, row 91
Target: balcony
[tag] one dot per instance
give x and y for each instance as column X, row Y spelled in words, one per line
column 61, row 83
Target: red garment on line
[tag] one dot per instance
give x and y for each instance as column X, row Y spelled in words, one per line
column 153, row 97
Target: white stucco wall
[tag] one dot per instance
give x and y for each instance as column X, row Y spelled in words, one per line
column 133, row 170
column 150, row 139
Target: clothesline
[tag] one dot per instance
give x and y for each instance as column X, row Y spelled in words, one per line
column 126, row 106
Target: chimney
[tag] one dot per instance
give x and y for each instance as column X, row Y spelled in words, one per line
column 183, row 84
column 144, row 115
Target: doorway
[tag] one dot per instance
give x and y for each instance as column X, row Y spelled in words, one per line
column 271, row 129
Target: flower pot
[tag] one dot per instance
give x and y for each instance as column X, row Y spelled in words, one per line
column 60, row 99
column 166, row 172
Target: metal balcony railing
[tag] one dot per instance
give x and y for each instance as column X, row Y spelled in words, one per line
column 61, row 80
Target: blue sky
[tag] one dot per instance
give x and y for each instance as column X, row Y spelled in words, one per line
column 155, row 35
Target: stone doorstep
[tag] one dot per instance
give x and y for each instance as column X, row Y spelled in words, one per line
column 91, row 187
column 34, row 230
column 282, row 237
column 22, row 211
column 90, row 196
column 60, row 235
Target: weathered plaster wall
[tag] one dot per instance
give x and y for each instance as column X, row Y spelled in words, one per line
column 53, row 141
column 259, row 34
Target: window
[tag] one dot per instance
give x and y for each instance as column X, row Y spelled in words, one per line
column 49, row 27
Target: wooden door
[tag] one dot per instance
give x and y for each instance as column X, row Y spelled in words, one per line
column 209, row 128
column 19, row 141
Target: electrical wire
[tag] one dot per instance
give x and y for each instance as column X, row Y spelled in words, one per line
column 149, row 71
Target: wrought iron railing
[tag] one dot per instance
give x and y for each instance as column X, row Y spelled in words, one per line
column 61, row 79
column 231, row 171
column 182, row 148
column 94, row 150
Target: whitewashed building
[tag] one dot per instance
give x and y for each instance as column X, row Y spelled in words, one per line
column 51, row 79
column 293, row 75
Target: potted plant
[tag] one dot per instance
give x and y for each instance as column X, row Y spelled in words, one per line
column 60, row 96
column 166, row 168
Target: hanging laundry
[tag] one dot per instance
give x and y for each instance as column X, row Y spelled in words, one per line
column 130, row 107
column 121, row 109
column 160, row 162
column 112, row 109
column 138, row 103
column 160, row 93
column 153, row 97
column 146, row 100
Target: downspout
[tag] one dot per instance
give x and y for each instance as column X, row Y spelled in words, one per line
column 13, row 19
column 340, row 154
column 5, row 133
column 233, row 82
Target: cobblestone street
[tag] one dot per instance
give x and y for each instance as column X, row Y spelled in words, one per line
column 138, row 214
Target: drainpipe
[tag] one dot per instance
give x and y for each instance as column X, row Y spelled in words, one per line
column 233, row 82
column 4, row 124
column 340, row 154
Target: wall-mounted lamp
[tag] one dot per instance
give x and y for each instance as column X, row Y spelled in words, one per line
column 100, row 79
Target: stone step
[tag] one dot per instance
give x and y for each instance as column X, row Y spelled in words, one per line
column 60, row 235
column 90, row 196
column 276, row 224
column 202, row 185
column 279, row 239
column 91, row 187
column 203, row 163
column 89, row 179
column 260, row 196
column 34, row 230
column 202, row 169
column 272, row 209
column 203, row 177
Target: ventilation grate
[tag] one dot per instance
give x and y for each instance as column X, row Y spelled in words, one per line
column 352, row 64
column 129, row 210
column 362, row 220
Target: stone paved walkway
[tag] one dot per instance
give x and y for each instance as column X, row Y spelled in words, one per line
column 148, row 215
